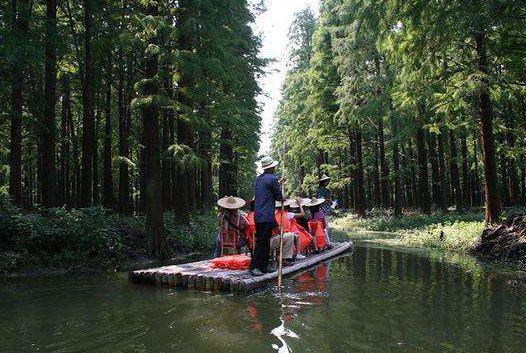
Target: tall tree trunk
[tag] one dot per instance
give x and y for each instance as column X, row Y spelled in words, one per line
column 433, row 160
column 466, row 200
column 523, row 180
column 512, row 171
column 484, row 114
column 453, row 171
column 206, row 169
column 504, row 180
column 442, row 186
column 167, row 116
column 124, row 149
column 88, row 123
column 47, row 127
column 352, row 162
column 64, row 191
column 20, row 27
column 475, row 175
column 96, row 180
column 226, row 168
column 412, row 197
column 150, row 120
column 185, row 135
column 397, row 202
column 376, row 192
column 75, row 182
column 358, row 174
column 423, row 182
column 107, row 158
column 384, row 169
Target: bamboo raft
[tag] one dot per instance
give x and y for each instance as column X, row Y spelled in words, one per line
column 201, row 276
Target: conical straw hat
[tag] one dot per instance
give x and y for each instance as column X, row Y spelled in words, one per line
column 315, row 202
column 231, row 202
column 286, row 203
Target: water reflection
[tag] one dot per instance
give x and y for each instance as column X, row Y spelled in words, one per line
column 375, row 300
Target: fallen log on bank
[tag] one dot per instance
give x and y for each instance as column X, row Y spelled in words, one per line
column 506, row 241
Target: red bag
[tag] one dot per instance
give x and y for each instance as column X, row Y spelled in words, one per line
column 232, row 262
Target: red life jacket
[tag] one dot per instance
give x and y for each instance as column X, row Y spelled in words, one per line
column 251, row 231
column 284, row 219
column 305, row 237
column 316, row 229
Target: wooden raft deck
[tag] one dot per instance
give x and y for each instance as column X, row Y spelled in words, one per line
column 202, row 276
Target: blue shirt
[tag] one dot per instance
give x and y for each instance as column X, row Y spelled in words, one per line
column 267, row 191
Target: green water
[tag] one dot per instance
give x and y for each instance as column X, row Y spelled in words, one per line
column 375, row 300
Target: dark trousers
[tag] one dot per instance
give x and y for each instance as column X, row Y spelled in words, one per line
column 262, row 249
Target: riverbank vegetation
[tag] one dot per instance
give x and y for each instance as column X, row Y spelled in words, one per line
column 451, row 232
column 408, row 106
column 144, row 108
column 91, row 239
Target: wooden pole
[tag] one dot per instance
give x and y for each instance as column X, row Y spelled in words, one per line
column 280, row 265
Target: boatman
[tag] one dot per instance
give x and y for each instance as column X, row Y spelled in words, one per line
column 267, row 191
column 324, row 193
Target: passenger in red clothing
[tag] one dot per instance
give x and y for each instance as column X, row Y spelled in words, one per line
column 231, row 219
column 290, row 226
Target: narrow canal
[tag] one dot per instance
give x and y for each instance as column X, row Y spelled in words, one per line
column 374, row 300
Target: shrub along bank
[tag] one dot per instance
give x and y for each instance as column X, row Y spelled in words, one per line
column 90, row 239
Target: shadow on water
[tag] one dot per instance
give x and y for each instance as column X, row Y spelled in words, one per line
column 374, row 300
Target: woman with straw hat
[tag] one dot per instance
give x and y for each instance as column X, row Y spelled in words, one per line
column 318, row 215
column 231, row 220
column 267, row 191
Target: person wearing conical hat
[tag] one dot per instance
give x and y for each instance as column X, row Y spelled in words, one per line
column 267, row 191
column 231, row 219
column 291, row 239
column 317, row 214
column 324, row 193
column 300, row 239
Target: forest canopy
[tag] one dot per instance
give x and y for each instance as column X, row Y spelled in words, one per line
column 408, row 105
column 141, row 107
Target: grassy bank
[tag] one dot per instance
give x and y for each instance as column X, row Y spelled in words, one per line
column 90, row 239
column 453, row 232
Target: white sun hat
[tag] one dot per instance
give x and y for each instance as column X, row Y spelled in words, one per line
column 324, row 177
column 267, row 162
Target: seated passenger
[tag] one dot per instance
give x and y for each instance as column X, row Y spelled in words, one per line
column 291, row 240
column 300, row 225
column 318, row 215
column 232, row 222
column 294, row 208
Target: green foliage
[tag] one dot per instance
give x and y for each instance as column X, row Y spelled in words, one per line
column 387, row 70
column 88, row 239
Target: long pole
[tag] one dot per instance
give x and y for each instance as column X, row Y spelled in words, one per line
column 280, row 266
